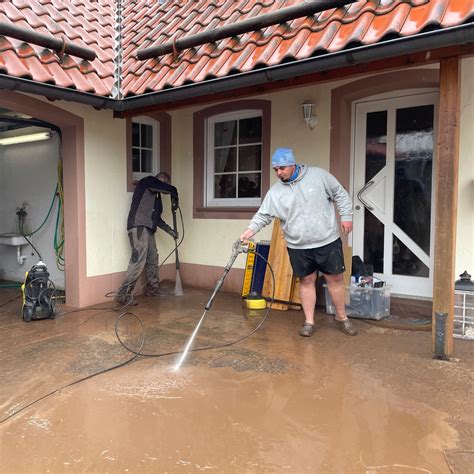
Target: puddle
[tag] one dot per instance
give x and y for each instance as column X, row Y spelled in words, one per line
column 146, row 418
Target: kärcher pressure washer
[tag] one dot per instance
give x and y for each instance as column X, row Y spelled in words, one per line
column 38, row 294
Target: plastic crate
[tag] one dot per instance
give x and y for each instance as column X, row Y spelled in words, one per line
column 365, row 303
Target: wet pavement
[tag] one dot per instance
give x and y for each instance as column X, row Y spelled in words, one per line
column 275, row 402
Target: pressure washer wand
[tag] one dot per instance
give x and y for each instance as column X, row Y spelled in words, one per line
column 237, row 248
column 178, row 287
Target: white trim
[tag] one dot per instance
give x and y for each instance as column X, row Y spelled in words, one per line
column 401, row 284
column 155, row 146
column 209, row 171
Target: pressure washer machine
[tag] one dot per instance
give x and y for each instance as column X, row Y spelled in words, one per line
column 38, row 294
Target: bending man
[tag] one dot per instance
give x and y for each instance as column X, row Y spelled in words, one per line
column 143, row 219
column 303, row 199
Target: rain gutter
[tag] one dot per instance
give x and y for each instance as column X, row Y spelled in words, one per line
column 251, row 24
column 458, row 35
column 59, row 45
column 57, row 93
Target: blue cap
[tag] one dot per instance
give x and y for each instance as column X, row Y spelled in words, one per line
column 283, row 157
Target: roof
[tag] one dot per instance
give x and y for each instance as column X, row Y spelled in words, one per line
column 87, row 23
column 115, row 33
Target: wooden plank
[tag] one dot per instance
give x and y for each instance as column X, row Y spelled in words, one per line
column 347, row 263
column 280, row 263
column 295, row 293
column 446, row 190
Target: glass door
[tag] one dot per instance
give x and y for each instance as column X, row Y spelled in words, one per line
column 393, row 190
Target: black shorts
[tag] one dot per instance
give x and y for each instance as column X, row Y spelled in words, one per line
column 327, row 259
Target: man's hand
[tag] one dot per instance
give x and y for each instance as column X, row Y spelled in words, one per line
column 346, row 226
column 174, row 203
column 174, row 234
column 246, row 235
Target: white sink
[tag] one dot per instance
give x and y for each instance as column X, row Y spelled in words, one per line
column 12, row 239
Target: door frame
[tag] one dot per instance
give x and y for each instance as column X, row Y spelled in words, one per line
column 408, row 286
column 344, row 95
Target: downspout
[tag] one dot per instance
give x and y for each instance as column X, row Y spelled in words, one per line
column 59, row 45
column 251, row 24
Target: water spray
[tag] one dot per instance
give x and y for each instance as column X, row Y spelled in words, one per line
column 237, row 247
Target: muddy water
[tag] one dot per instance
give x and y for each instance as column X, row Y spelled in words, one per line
column 273, row 403
column 332, row 419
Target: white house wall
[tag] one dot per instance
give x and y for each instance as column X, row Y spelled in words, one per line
column 208, row 241
column 107, row 201
column 465, row 227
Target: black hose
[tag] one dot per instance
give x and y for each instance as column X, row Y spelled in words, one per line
column 139, row 352
column 87, row 377
column 267, row 312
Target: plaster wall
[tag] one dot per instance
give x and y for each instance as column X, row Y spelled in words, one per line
column 465, row 226
column 209, row 241
column 28, row 176
column 107, row 199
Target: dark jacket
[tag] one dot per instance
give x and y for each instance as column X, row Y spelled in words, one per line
column 146, row 205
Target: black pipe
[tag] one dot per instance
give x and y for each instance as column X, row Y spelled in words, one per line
column 59, row 45
column 440, row 336
column 58, row 93
column 241, row 27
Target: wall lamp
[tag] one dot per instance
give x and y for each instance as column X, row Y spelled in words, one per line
column 308, row 114
column 32, row 137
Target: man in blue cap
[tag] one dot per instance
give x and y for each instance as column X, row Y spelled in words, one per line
column 303, row 199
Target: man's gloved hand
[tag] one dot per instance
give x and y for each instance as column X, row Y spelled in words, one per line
column 174, row 234
column 174, row 203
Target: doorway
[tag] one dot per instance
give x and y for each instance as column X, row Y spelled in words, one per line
column 392, row 183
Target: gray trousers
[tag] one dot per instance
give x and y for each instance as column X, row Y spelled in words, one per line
column 144, row 256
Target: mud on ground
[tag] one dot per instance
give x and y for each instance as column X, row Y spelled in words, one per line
column 275, row 402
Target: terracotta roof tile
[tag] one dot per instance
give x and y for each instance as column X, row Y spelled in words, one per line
column 359, row 23
column 145, row 23
column 423, row 16
column 384, row 25
column 458, row 12
column 85, row 23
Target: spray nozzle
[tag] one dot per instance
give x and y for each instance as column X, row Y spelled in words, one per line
column 241, row 247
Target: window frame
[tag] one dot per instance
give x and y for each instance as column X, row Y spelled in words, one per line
column 202, row 210
column 209, row 163
column 155, row 150
column 164, row 120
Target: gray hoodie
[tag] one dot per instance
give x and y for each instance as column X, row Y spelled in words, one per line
column 305, row 208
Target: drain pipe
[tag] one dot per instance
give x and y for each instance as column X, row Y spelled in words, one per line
column 20, row 258
column 251, row 24
column 59, row 45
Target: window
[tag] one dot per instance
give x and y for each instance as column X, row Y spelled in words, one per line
column 223, row 137
column 234, row 159
column 145, row 147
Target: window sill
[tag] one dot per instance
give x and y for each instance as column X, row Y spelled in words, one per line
column 224, row 212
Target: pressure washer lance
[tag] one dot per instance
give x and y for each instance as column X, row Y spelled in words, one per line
column 178, row 287
column 237, row 247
